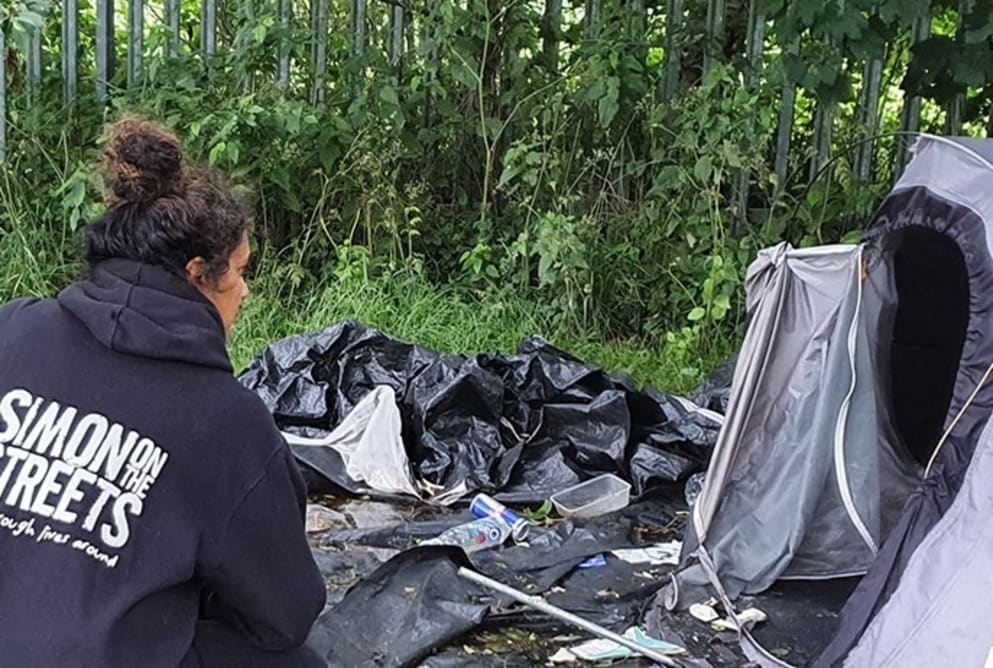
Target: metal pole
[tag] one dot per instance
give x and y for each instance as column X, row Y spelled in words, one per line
column 34, row 64
column 209, row 27
column 910, row 120
column 873, row 78
column 716, row 9
column 673, row 23
column 285, row 15
column 552, row 27
column 320, row 51
column 3, row 101
column 172, row 23
column 105, row 47
column 70, row 50
column 591, row 21
column 136, row 39
column 754, row 48
column 823, row 126
column 784, row 134
column 396, row 35
column 359, row 8
column 544, row 606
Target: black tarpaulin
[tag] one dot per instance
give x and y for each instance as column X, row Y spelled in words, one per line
column 522, row 426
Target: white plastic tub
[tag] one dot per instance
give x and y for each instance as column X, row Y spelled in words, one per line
column 597, row 496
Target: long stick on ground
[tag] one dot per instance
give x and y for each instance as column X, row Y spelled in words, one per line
column 549, row 609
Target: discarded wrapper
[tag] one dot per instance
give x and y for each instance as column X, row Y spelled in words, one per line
column 608, row 650
column 593, row 562
column 656, row 555
column 705, row 611
column 746, row 619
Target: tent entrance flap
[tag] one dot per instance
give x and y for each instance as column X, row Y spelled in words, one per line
column 928, row 334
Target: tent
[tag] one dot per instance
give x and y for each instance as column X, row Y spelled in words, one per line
column 856, row 439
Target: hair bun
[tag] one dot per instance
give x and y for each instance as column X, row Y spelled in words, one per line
column 145, row 161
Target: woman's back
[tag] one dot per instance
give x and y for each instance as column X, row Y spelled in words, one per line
column 137, row 477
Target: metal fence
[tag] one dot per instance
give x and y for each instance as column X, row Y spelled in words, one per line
column 398, row 17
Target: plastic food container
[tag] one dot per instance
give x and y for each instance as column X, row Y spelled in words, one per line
column 597, row 496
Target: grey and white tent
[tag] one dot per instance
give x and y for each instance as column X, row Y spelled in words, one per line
column 856, row 438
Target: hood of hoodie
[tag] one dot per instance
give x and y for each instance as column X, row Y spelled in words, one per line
column 143, row 310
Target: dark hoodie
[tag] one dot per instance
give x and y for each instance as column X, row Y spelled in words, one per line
column 137, row 477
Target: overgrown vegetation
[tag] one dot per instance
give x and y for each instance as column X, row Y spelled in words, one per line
column 503, row 176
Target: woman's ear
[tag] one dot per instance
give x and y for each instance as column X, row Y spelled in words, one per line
column 195, row 271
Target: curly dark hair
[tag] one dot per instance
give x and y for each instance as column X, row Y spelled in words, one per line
column 162, row 212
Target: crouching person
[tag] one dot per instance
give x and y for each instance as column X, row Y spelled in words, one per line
column 140, row 484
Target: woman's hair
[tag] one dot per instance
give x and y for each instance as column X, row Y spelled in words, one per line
column 160, row 211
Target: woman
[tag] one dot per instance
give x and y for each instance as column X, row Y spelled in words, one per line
column 141, row 487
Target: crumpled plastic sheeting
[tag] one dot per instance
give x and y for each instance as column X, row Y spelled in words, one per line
column 410, row 606
column 521, row 426
column 715, row 391
column 369, row 444
column 398, row 612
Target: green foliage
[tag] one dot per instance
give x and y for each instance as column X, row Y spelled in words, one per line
column 558, row 195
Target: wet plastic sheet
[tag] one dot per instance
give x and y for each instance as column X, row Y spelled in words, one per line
column 398, row 612
column 715, row 391
column 522, row 426
column 406, row 609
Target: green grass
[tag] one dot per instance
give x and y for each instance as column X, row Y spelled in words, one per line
column 450, row 320
column 36, row 260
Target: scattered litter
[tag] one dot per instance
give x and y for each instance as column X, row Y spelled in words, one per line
column 368, row 441
column 474, row 536
column 594, row 562
column 608, row 650
column 746, row 619
column 693, row 488
column 484, row 505
column 606, row 593
column 660, row 554
column 705, row 611
column 321, row 519
column 597, row 496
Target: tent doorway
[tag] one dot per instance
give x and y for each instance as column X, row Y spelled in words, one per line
column 928, row 335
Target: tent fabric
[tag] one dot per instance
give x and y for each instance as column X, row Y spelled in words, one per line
column 855, row 411
column 803, row 420
column 943, row 619
column 915, row 205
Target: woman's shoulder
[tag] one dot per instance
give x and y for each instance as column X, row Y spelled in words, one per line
column 24, row 305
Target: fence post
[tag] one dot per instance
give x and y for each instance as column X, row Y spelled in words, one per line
column 910, row 120
column 285, row 18
column 591, row 19
column 672, row 55
column 70, row 50
column 359, row 8
column 551, row 26
column 319, row 54
column 872, row 80
column 396, row 40
column 3, row 101
column 823, row 127
column 209, row 28
column 755, row 41
column 716, row 9
column 172, row 23
column 784, row 132
column 105, row 47
column 34, row 64
column 953, row 118
column 136, row 39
